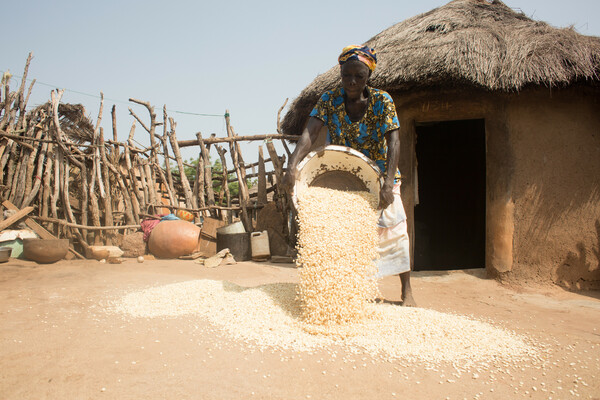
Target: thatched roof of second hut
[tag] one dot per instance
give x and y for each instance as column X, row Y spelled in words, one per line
column 474, row 42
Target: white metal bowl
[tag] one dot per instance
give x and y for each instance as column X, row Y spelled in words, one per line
column 339, row 167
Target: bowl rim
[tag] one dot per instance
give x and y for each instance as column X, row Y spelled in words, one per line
column 319, row 155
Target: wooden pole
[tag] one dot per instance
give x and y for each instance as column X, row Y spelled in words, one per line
column 230, row 139
column 9, row 97
column 285, row 146
column 262, row 178
column 198, row 191
column 47, row 181
column 65, row 192
column 281, row 195
column 37, row 178
column 184, row 180
column 144, row 183
column 15, row 217
column 224, row 174
column 95, row 175
column 210, row 194
column 268, row 174
column 31, row 182
column 21, row 140
column 138, row 199
column 150, row 182
column 5, row 151
column 153, row 156
column 14, row 157
column 57, row 179
column 16, row 174
column 241, row 174
column 90, row 228
column 20, row 175
column 22, row 98
column 128, row 197
column 93, row 199
column 108, row 211
column 115, row 154
column 164, row 184
column 95, row 142
column 225, row 216
column 164, row 139
column 58, row 132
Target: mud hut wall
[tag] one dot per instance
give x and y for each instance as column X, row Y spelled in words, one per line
column 542, row 176
column 556, row 186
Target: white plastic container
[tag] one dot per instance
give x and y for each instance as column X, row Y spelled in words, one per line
column 259, row 242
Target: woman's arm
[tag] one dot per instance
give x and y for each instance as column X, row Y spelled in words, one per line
column 309, row 136
column 386, row 197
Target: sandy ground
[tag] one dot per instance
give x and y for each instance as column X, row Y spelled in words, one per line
column 57, row 343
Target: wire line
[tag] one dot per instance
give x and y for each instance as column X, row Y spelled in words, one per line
column 119, row 101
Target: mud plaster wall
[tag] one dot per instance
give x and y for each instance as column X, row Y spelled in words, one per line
column 556, row 186
column 542, row 173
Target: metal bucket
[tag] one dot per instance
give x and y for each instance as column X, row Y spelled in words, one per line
column 236, row 227
column 237, row 243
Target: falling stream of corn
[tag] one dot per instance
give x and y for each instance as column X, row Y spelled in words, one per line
column 337, row 247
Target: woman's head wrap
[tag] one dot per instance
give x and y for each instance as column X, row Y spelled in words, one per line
column 364, row 54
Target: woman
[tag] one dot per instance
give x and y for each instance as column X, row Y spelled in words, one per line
column 365, row 119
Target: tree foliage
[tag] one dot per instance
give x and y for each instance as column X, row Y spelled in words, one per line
column 217, row 171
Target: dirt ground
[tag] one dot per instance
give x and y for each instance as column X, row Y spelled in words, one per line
column 56, row 343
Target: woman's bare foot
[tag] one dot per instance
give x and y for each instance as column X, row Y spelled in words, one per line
column 407, row 299
column 392, row 302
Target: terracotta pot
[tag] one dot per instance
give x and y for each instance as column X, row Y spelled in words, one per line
column 45, row 251
column 172, row 239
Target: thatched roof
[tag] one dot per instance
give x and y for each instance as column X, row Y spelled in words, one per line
column 74, row 122
column 476, row 43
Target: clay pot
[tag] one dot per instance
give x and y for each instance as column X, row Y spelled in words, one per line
column 172, row 239
column 45, row 251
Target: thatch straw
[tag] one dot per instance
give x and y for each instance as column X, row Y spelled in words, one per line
column 75, row 123
column 476, row 43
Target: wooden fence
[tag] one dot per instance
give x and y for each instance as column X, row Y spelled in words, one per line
column 87, row 187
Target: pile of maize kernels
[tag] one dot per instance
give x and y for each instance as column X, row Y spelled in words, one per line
column 270, row 317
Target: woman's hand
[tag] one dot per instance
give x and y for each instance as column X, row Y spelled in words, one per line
column 386, row 195
column 309, row 136
column 289, row 180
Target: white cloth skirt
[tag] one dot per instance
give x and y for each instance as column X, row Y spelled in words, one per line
column 394, row 247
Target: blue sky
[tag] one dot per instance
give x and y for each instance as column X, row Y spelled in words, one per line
column 206, row 57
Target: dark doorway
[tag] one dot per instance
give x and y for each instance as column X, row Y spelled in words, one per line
column 450, row 215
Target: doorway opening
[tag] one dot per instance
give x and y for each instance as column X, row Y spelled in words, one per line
column 450, row 214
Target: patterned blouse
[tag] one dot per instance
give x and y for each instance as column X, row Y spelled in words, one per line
column 366, row 135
